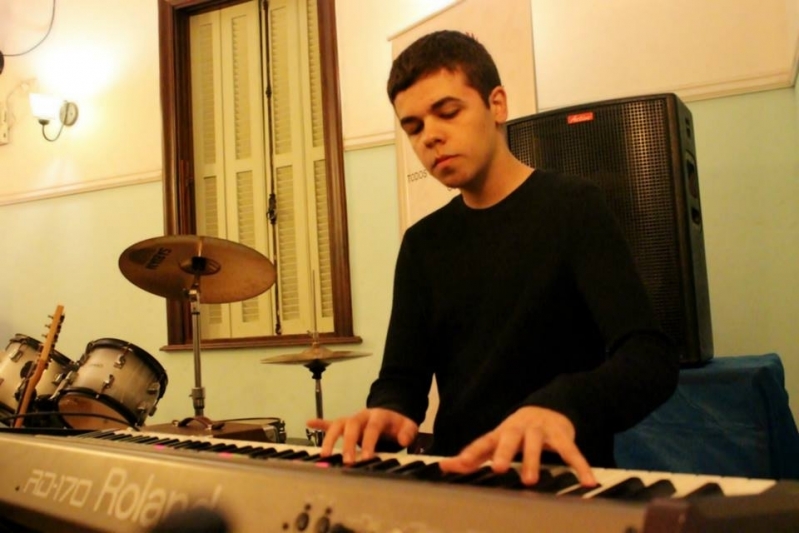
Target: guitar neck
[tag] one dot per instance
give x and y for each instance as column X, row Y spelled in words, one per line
column 41, row 364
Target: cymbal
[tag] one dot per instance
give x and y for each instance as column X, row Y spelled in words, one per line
column 314, row 353
column 225, row 270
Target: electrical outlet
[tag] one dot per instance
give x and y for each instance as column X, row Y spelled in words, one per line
column 3, row 123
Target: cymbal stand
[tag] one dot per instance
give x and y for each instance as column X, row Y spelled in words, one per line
column 316, row 367
column 316, row 436
column 198, row 392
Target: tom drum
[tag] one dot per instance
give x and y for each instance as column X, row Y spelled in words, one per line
column 18, row 363
column 116, row 384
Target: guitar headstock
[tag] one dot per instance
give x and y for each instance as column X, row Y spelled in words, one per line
column 53, row 329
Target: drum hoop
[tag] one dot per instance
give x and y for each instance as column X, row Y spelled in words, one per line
column 119, row 343
column 85, row 392
column 31, row 342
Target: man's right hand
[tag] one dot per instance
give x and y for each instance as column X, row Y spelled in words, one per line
column 365, row 427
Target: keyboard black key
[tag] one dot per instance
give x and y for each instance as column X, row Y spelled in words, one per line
column 662, row 488
column 244, row 450
column 407, row 468
column 429, row 472
column 363, row 463
column 145, row 439
column 222, row 448
column 262, row 453
column 383, row 466
column 708, row 489
column 556, row 483
column 505, row 480
column 118, row 436
column 471, row 477
column 333, row 460
column 181, row 444
column 580, row 490
column 623, row 489
column 165, row 442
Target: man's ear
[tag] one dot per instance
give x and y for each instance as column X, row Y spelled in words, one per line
column 498, row 103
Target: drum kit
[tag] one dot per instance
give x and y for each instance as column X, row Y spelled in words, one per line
column 116, row 384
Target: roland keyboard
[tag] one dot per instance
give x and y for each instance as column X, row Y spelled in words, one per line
column 124, row 481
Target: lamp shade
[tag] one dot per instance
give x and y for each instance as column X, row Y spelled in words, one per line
column 45, row 107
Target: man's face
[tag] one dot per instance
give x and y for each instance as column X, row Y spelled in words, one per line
column 454, row 134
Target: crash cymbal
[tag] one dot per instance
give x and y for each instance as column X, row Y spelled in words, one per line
column 314, row 353
column 227, row 271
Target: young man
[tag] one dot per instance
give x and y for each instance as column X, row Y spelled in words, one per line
column 520, row 295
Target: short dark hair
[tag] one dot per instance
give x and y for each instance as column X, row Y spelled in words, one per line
column 445, row 49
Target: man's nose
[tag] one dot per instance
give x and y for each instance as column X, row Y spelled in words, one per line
column 432, row 135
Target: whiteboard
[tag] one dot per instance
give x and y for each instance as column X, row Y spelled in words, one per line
column 505, row 28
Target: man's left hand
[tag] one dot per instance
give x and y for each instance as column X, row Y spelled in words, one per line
column 529, row 430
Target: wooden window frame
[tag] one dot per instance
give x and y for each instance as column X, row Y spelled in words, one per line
column 178, row 176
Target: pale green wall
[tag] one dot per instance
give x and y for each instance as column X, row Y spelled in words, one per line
column 748, row 159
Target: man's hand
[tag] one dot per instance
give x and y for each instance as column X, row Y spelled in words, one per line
column 366, row 427
column 529, row 430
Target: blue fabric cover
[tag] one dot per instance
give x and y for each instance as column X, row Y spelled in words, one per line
column 730, row 417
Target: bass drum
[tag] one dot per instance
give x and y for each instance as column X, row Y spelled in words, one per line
column 19, row 362
column 116, row 385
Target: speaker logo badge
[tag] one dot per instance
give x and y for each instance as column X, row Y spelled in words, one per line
column 580, row 117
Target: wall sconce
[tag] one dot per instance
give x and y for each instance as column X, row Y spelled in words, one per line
column 47, row 108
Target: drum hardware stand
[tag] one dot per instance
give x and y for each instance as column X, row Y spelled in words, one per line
column 173, row 266
column 198, row 392
column 317, row 366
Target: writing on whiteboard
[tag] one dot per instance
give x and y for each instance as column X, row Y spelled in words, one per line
column 418, row 175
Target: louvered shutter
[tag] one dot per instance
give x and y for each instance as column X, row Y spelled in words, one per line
column 209, row 156
column 314, row 137
column 285, row 56
column 235, row 169
column 245, row 153
column 240, row 201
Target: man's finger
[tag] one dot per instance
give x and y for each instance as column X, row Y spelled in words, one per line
column 332, row 434
column 471, row 457
column 509, row 440
column 571, row 455
column 531, row 456
column 371, row 433
column 353, row 428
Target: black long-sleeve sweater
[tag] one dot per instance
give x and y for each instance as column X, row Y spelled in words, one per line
column 533, row 301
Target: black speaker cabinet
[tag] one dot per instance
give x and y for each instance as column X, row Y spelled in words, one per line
column 641, row 152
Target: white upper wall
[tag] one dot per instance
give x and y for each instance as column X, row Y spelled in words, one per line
column 101, row 54
column 367, row 115
column 587, row 50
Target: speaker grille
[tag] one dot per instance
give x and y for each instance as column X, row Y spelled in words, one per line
column 628, row 147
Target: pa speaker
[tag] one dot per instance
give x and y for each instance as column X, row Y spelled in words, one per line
column 642, row 154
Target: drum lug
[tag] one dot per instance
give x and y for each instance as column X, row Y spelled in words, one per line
column 107, row 383
column 63, row 380
column 145, row 410
column 154, row 388
column 16, row 354
column 120, row 362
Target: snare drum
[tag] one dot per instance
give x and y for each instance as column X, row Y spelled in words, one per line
column 114, row 379
column 18, row 362
column 274, row 428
